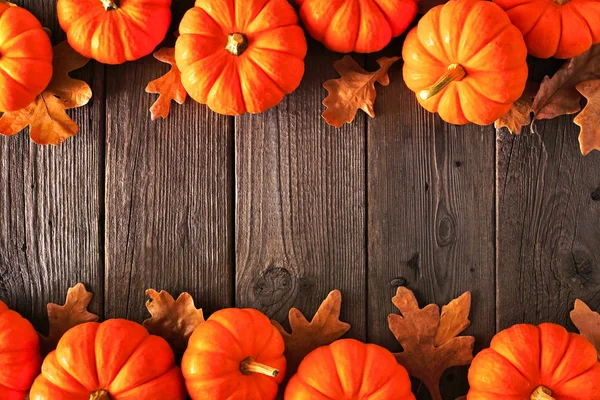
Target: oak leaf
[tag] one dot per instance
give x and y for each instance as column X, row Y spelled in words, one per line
column 589, row 119
column 588, row 323
column 430, row 340
column 519, row 114
column 168, row 86
column 323, row 329
column 73, row 92
column 174, row 320
column 354, row 90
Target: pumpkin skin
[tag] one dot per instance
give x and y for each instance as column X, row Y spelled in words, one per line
column 240, row 56
column 474, row 44
column 25, row 58
column 351, row 370
column 114, row 31
column 361, row 26
column 19, row 355
column 116, row 359
column 524, row 357
column 555, row 28
column 221, row 348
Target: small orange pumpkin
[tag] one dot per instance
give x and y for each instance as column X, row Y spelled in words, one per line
column 542, row 362
column 349, row 369
column 237, row 354
column 25, row 58
column 240, row 56
column 466, row 61
column 114, row 31
column 555, row 28
column 362, row 26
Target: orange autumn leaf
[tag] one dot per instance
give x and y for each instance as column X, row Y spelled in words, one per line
column 354, row 90
column 430, row 340
column 73, row 92
column 519, row 114
column 168, row 86
column 589, row 119
column 588, row 323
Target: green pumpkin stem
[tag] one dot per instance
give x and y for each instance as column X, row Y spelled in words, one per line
column 249, row 366
column 542, row 393
column 109, row 5
column 237, row 43
column 101, row 394
column 455, row 73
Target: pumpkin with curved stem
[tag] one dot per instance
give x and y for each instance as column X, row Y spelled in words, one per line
column 542, row 362
column 25, row 58
column 113, row 360
column 240, row 56
column 114, row 31
column 555, row 28
column 466, row 61
column 349, row 369
column 362, row 26
column 237, row 354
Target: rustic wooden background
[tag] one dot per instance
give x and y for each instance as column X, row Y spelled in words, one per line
column 275, row 210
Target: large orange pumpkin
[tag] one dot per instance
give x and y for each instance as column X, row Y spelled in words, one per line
column 555, row 28
column 114, row 31
column 240, row 56
column 362, row 26
column 25, row 58
column 466, row 61
column 113, row 360
column 542, row 362
column 237, row 354
column 351, row 370
column 19, row 355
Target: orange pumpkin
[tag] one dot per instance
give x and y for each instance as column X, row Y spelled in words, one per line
column 25, row 58
column 237, row 354
column 113, row 360
column 555, row 28
column 240, row 56
column 19, row 355
column 114, row 31
column 362, row 26
column 466, row 61
column 351, row 370
column 542, row 362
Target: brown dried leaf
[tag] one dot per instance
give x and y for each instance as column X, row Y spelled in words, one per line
column 168, row 86
column 355, row 89
column 73, row 92
column 430, row 341
column 589, row 119
column 63, row 318
column 520, row 113
column 588, row 323
column 323, row 329
column 174, row 320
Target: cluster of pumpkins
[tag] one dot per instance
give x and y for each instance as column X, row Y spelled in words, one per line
column 466, row 59
column 237, row 354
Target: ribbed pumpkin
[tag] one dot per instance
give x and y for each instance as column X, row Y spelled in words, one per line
column 25, row 58
column 555, row 28
column 240, row 56
column 114, row 31
column 542, row 362
column 237, row 354
column 113, row 360
column 466, row 61
column 19, row 355
column 350, row 370
column 362, row 26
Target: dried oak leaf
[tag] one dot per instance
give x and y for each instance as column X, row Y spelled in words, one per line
column 174, row 320
column 519, row 114
column 73, row 92
column 355, row 89
column 63, row 318
column 558, row 95
column 588, row 323
column 168, row 86
column 430, row 341
column 323, row 329
column 589, row 119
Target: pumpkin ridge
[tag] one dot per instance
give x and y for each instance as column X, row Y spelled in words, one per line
column 562, row 382
column 213, row 20
column 249, row 18
column 8, row 43
column 576, row 11
column 214, row 321
column 515, row 367
column 385, row 17
column 6, row 74
column 125, row 362
column 130, row 17
column 329, row 352
column 538, row 19
column 485, row 43
column 311, row 387
column 257, row 65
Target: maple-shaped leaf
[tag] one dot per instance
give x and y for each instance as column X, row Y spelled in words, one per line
column 519, row 114
column 168, row 86
column 173, row 320
column 589, row 119
column 354, row 90
column 430, row 341
column 588, row 323
column 63, row 318
column 323, row 329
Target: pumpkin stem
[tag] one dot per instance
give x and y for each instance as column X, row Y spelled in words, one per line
column 101, row 394
column 237, row 43
column 455, row 73
column 249, row 366
column 561, row 2
column 109, row 5
column 542, row 393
